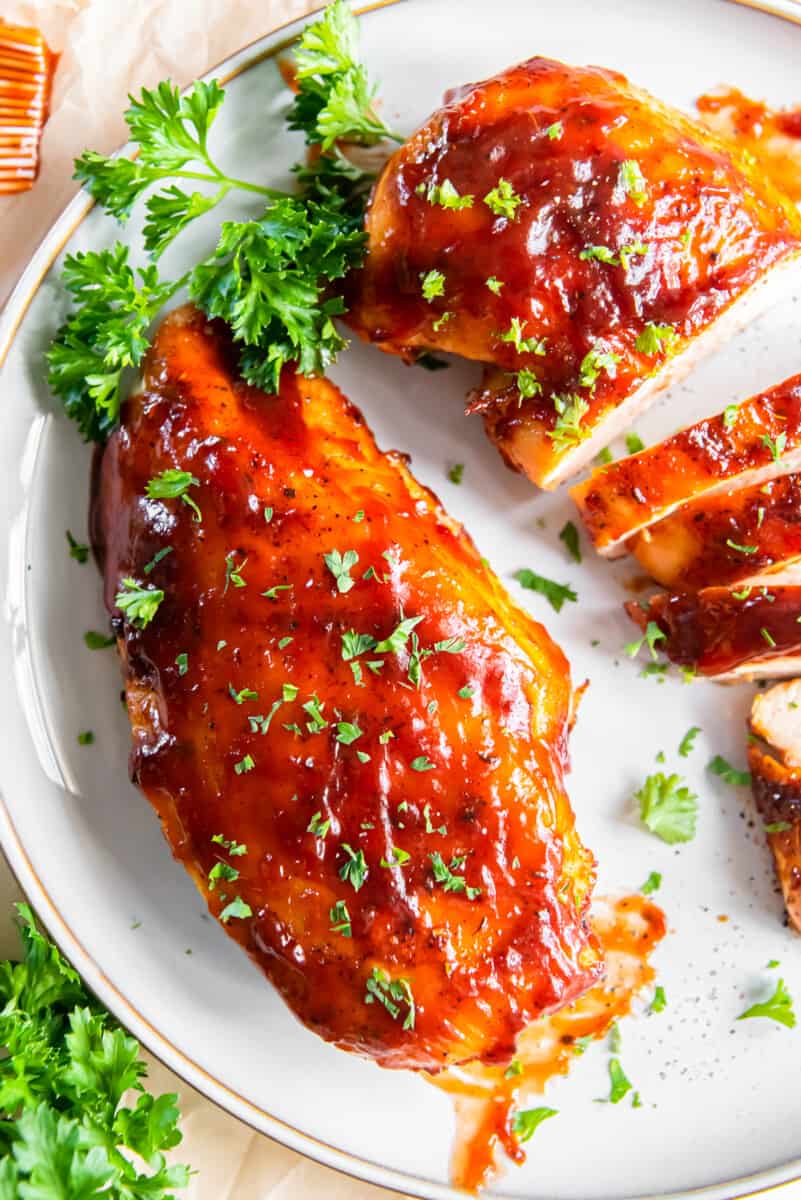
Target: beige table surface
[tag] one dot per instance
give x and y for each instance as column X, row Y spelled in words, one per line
column 108, row 48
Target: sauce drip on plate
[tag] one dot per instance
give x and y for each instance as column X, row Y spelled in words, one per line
column 485, row 1099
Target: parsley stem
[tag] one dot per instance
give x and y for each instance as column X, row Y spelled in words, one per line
column 220, row 177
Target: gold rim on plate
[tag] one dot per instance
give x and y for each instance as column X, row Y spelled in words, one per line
column 11, row 318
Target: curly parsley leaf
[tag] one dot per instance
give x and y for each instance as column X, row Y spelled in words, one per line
column 526, row 1121
column 555, row 593
column 668, row 808
column 334, row 100
column 778, row 1007
column 65, row 1132
column 105, row 334
column 729, row 774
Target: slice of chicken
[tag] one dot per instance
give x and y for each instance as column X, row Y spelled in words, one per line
column 775, row 762
column 735, row 536
column 560, row 221
column 743, row 447
column 730, row 633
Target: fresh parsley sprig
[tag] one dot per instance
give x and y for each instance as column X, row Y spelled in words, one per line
column 271, row 278
column 64, row 1130
column 334, row 100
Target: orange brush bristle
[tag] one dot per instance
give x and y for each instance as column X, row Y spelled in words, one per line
column 25, row 70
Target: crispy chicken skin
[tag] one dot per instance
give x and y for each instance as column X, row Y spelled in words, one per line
column 595, row 170
column 727, row 538
column 759, row 441
column 367, row 789
column 775, row 762
column 728, row 633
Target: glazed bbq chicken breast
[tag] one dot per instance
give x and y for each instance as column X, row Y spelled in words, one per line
column 354, row 741
column 774, row 756
column 584, row 241
column 745, row 446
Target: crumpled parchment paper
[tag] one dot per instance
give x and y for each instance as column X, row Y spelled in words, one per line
column 109, row 48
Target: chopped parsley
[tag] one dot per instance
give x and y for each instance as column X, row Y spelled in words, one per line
column 494, row 284
column 778, row 1007
column 140, row 604
column 687, row 743
column 284, row 642
column 730, row 416
column 78, row 550
column 450, row 881
column 604, row 457
column 514, row 1069
column 668, row 808
column 729, row 774
column 268, row 515
column 422, row 763
column 97, row 641
column 156, row 559
column 767, row 636
column 441, row 321
column 237, row 909
column 632, row 181
column 456, row 473
column 241, row 697
column 340, row 919
column 182, row 662
column 340, row 567
column 503, row 200
column 397, row 858
column 599, row 254
column 776, row 447
column 632, row 250
column 347, row 733
column 233, row 572
column 570, row 536
column 222, row 872
column 526, row 1121
column 433, row 285
column 527, row 384
column 272, row 593
column 555, row 131
column 354, row 869
column 522, row 345
column 244, row 765
column 555, row 593
column 173, row 485
column 399, row 636
column 659, row 1002
column 314, row 710
column 86, row 738
column 570, row 410
column 620, row 1085
column 445, row 195
column 594, row 361
column 466, row 692
column 656, row 339
column 652, row 635
column 234, row 848
column 652, row 884
column 777, row 827
column 319, row 827
column 634, row 443
column 393, row 994
column 740, row 549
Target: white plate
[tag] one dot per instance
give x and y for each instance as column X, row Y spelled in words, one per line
column 722, row 1104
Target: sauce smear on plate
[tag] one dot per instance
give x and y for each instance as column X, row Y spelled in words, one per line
column 486, row 1097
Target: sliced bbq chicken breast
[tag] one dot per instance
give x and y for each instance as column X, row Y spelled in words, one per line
column 775, row 762
column 355, row 742
column 744, row 446
column 584, row 241
column 750, row 632
column 738, row 536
